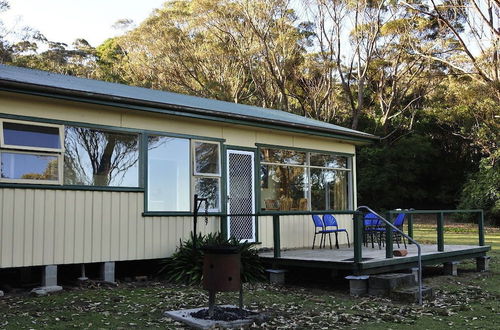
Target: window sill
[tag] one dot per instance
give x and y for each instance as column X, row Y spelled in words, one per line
column 68, row 187
column 179, row 214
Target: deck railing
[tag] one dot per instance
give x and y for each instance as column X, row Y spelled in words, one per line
column 358, row 226
column 440, row 222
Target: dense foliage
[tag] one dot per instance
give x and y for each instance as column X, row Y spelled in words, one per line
column 186, row 264
column 422, row 74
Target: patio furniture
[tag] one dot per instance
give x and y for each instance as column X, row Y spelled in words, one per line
column 398, row 223
column 286, row 203
column 330, row 221
column 272, row 204
column 319, row 228
column 303, row 204
column 372, row 228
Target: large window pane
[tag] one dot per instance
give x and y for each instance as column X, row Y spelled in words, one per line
column 22, row 166
column 206, row 158
column 168, row 174
column 282, row 156
column 25, row 135
column 328, row 160
column 100, row 158
column 328, row 189
column 283, row 188
column 208, row 188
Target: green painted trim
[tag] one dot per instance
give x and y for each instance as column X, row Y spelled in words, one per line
column 435, row 211
column 480, row 224
column 110, row 128
column 388, row 237
column 373, row 267
column 145, row 170
column 223, row 190
column 176, row 214
column 350, row 266
column 285, row 213
column 429, row 259
column 166, row 214
column 274, row 146
column 69, row 187
column 358, row 237
column 440, row 231
column 232, row 146
column 225, row 119
column 410, row 227
column 276, row 236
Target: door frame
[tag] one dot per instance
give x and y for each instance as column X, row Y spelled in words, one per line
column 245, row 151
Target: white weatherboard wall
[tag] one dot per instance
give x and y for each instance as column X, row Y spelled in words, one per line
column 42, row 227
column 57, row 226
column 297, row 231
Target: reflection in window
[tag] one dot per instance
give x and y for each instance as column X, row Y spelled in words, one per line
column 168, row 174
column 206, row 158
column 100, row 158
column 26, row 135
column 23, row 166
column 283, row 156
column 303, row 180
column 328, row 188
column 328, row 160
column 286, row 187
column 207, row 187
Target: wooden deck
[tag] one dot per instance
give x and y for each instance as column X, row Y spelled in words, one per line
column 374, row 260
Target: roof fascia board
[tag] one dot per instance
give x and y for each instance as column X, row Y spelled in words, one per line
column 102, row 99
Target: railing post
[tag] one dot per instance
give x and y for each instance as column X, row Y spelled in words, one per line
column 480, row 224
column 276, row 236
column 223, row 226
column 358, row 236
column 440, row 231
column 388, row 236
column 410, row 226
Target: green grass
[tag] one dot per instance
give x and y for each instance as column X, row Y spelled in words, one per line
column 467, row 301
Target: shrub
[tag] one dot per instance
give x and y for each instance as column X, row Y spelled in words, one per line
column 186, row 264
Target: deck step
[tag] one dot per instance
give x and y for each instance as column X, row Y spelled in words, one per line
column 384, row 284
column 410, row 294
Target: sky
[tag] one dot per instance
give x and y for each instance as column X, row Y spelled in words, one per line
column 67, row 20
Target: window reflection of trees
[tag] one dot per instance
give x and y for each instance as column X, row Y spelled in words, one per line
column 290, row 178
column 208, row 188
column 207, row 158
column 99, row 158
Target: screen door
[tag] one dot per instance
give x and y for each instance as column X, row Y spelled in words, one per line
column 241, row 194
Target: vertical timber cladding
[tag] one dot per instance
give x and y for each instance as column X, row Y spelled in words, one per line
column 49, row 226
column 297, row 231
column 52, row 226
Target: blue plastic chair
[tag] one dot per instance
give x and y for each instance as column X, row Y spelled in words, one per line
column 319, row 228
column 330, row 221
column 372, row 227
column 398, row 222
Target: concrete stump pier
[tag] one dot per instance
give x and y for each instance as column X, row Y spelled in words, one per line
column 451, row 268
column 358, row 285
column 483, row 263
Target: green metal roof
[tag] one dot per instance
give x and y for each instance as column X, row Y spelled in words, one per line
column 42, row 82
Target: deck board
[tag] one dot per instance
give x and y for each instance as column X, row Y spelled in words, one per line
column 374, row 259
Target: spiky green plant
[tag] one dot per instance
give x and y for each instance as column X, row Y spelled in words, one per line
column 186, row 264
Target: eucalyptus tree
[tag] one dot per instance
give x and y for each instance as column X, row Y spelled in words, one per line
column 467, row 40
column 234, row 50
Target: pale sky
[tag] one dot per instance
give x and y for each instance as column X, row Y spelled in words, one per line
column 67, row 20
